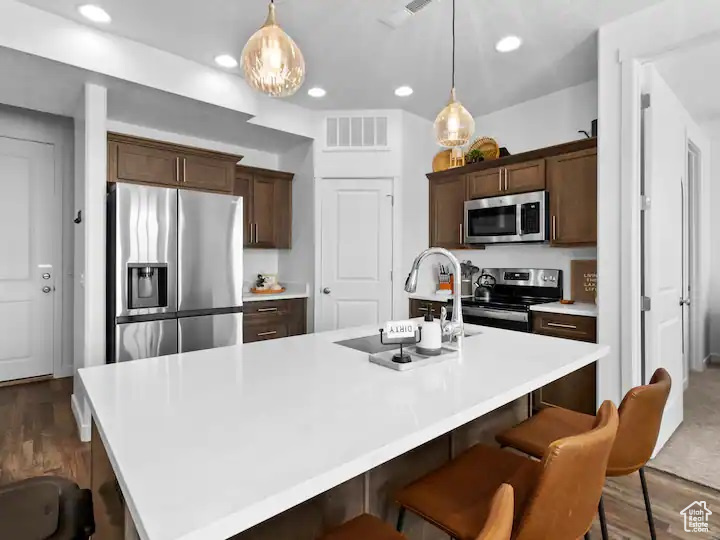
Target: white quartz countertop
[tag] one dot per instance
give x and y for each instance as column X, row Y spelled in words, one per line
column 578, row 308
column 207, row 444
column 292, row 290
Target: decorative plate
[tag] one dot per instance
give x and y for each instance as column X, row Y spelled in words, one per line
column 441, row 161
column 488, row 146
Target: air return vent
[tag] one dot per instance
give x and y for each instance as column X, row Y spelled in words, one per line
column 416, row 5
column 401, row 16
column 356, row 132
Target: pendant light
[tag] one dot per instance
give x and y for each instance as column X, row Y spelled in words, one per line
column 272, row 62
column 454, row 125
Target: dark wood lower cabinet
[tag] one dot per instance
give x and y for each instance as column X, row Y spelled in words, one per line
column 576, row 391
column 274, row 319
column 420, row 308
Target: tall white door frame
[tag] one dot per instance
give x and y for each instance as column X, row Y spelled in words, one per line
column 396, row 252
column 631, row 201
column 37, row 127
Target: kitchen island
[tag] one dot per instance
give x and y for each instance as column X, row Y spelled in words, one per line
column 209, row 444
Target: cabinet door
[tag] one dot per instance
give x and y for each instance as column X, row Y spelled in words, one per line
column 137, row 163
column 208, row 174
column 242, row 187
column 283, row 213
column 263, row 202
column 572, row 183
column 577, row 390
column 487, row 183
column 447, row 205
column 524, row 177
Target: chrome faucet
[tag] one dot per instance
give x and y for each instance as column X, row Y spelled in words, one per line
column 454, row 328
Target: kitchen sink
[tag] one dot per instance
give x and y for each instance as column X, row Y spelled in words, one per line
column 372, row 345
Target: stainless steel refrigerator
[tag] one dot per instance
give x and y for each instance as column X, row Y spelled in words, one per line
column 175, row 271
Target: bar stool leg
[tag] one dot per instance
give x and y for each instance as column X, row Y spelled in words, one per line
column 587, row 535
column 603, row 521
column 648, row 508
column 401, row 519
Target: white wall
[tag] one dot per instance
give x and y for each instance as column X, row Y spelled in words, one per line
column 90, row 191
column 298, row 263
column 622, row 44
column 58, row 132
column 548, row 120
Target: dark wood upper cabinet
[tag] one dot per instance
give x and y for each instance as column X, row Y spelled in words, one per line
column 267, row 199
column 516, row 178
column 524, row 177
column 146, row 161
column 572, row 184
column 136, row 163
column 487, row 183
column 208, row 174
column 447, row 208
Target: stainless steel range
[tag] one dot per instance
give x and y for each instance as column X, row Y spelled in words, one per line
column 503, row 296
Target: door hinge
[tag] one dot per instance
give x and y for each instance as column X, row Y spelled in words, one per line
column 644, row 101
column 645, row 303
column 645, row 202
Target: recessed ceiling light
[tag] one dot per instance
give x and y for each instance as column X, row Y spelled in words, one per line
column 226, row 61
column 317, row 92
column 403, row 91
column 94, row 13
column 508, row 44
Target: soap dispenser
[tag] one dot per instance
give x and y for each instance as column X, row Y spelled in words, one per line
column 431, row 338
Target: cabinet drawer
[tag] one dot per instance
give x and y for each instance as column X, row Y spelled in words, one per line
column 273, row 307
column 565, row 326
column 264, row 330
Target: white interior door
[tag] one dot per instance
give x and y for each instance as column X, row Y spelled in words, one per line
column 27, row 193
column 665, row 147
column 356, row 235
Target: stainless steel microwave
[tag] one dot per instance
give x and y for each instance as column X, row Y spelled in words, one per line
column 506, row 219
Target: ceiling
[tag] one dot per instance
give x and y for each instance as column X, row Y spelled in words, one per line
column 694, row 75
column 360, row 61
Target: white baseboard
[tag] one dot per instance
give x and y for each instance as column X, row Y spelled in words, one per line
column 66, row 371
column 83, row 424
column 712, row 358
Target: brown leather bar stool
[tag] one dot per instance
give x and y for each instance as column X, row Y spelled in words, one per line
column 640, row 415
column 497, row 527
column 555, row 499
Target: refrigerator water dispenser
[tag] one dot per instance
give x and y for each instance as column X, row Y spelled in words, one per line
column 147, row 285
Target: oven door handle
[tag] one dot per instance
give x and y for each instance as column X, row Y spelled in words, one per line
column 491, row 313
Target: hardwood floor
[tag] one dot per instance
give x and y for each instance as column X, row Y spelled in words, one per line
column 39, row 437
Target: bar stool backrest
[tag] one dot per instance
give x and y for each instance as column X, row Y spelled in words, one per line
column 567, row 493
column 641, row 413
column 499, row 522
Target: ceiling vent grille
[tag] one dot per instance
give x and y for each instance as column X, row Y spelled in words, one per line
column 356, row 132
column 401, row 16
column 416, row 5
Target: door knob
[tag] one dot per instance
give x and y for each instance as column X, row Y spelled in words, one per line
column 326, row 290
column 46, row 289
column 684, row 301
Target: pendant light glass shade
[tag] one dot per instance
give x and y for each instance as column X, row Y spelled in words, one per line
column 454, row 125
column 272, row 62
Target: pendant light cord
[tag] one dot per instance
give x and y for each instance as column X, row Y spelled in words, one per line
column 453, row 45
